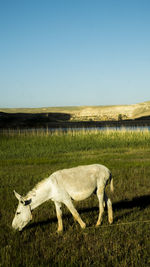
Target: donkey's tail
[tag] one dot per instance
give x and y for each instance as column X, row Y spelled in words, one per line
column 111, row 183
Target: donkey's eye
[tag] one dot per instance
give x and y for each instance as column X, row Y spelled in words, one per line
column 17, row 213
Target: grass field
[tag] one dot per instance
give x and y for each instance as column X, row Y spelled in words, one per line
column 26, row 158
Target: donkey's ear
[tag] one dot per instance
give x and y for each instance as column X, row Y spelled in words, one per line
column 17, row 196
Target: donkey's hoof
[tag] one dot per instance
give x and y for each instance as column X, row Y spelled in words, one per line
column 110, row 221
column 98, row 224
column 83, row 226
column 59, row 231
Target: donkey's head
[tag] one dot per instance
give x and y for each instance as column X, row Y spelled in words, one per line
column 23, row 213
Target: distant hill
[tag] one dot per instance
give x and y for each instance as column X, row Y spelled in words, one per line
column 89, row 113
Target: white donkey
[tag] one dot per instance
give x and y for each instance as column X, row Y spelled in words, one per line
column 61, row 187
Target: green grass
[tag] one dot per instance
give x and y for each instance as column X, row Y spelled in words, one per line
column 26, row 158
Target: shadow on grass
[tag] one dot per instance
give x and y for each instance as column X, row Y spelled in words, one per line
column 137, row 202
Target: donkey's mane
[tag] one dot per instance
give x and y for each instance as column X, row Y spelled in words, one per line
column 32, row 192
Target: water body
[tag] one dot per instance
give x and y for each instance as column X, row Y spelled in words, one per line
column 65, row 130
column 75, row 129
column 129, row 128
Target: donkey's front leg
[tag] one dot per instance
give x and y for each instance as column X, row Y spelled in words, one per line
column 74, row 212
column 59, row 216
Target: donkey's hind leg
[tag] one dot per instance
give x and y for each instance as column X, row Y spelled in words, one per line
column 109, row 207
column 100, row 195
column 59, row 216
column 74, row 212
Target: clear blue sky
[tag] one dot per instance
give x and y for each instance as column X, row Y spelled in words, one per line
column 74, row 52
